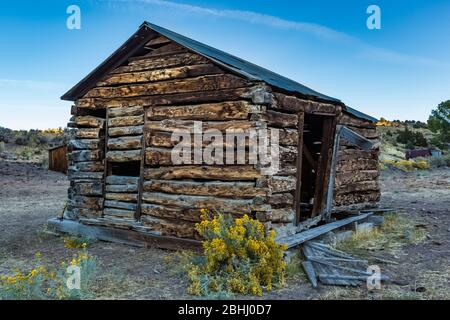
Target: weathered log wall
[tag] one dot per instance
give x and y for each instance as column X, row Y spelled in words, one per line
column 356, row 182
column 128, row 119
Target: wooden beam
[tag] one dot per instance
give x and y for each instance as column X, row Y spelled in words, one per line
column 309, row 157
column 138, row 212
column 299, row 238
column 298, row 187
column 356, row 139
column 329, row 201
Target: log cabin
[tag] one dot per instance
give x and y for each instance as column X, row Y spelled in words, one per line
column 125, row 186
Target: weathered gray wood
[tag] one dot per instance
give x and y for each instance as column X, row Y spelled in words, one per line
column 122, row 180
column 125, row 131
column 210, row 188
column 123, row 156
column 84, row 155
column 126, row 121
column 120, row 205
column 221, row 204
column 121, row 188
column 87, row 133
column 89, row 121
column 128, row 197
column 141, row 238
column 228, row 110
column 125, row 112
column 176, row 213
column 121, row 213
column 125, row 143
column 299, row 238
column 242, row 173
column 90, row 144
column 88, row 166
column 355, row 138
column 88, row 188
column 310, row 272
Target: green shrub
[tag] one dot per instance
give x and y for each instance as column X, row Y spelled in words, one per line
column 437, row 162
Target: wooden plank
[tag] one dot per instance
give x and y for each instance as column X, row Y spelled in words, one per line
column 227, row 110
column 227, row 173
column 89, row 144
column 310, row 272
column 125, row 143
column 122, row 180
column 160, row 74
column 122, row 188
column 299, row 160
column 202, row 83
column 137, row 214
column 127, row 197
column 330, row 195
column 323, row 166
column 125, row 111
column 207, row 202
column 356, row 139
column 206, row 188
column 304, row 236
column 125, row 131
column 169, row 125
column 87, row 133
column 123, row 156
column 135, row 237
column 120, row 205
column 126, row 121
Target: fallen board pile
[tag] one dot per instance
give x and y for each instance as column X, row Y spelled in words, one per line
column 333, row 267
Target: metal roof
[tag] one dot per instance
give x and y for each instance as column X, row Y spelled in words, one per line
column 226, row 60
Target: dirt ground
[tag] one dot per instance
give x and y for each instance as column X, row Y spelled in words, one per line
column 29, row 195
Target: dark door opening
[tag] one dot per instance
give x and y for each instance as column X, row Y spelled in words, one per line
column 318, row 136
column 129, row 168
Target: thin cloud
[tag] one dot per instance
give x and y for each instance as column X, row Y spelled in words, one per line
column 318, row 30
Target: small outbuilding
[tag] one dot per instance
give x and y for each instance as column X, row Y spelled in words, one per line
column 125, row 185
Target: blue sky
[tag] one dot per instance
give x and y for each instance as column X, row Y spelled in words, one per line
column 399, row 72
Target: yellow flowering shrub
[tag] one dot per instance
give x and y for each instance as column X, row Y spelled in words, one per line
column 75, row 243
column 405, row 165
column 42, row 282
column 239, row 257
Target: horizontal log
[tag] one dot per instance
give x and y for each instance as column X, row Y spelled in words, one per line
column 123, row 156
column 85, row 212
column 199, row 202
column 182, row 59
column 346, row 119
column 202, row 83
column 277, row 184
column 280, row 200
column 356, row 197
column 167, row 99
column 287, row 137
column 120, row 213
column 165, row 50
column 228, row 110
column 210, row 188
column 357, row 187
column 80, row 175
column 125, row 111
column 343, row 178
column 280, row 119
column 188, row 125
column 121, row 188
column 89, row 121
column 282, row 215
column 127, row 197
column 351, row 154
column 358, row 164
column 177, row 213
column 124, row 143
column 90, row 144
column 84, row 155
column 244, row 173
column 126, row 121
column 125, row 131
column 86, row 202
column 180, row 229
column 122, row 180
column 88, row 188
column 160, row 74
column 88, row 166
column 157, row 41
column 120, row 205
column 87, row 133
column 367, row 133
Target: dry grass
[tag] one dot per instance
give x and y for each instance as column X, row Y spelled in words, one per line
column 395, row 232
